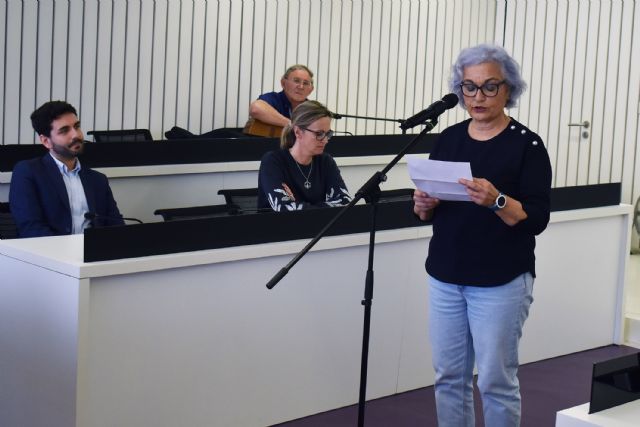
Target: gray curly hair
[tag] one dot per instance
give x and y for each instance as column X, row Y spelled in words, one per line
column 481, row 54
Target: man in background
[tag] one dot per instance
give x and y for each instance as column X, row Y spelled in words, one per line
column 274, row 108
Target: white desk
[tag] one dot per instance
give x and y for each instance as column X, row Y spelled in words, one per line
column 627, row 415
column 196, row 339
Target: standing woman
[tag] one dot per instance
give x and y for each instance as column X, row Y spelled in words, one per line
column 301, row 175
column 481, row 262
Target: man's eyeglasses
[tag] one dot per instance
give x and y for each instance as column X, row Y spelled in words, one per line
column 488, row 89
column 297, row 81
column 320, row 135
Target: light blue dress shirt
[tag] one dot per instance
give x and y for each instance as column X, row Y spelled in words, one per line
column 77, row 198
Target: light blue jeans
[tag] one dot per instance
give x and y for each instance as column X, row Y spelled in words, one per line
column 471, row 324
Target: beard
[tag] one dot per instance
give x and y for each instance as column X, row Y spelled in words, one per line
column 70, row 151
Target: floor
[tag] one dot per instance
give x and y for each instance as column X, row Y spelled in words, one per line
column 547, row 386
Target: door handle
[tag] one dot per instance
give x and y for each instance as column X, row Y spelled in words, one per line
column 584, row 124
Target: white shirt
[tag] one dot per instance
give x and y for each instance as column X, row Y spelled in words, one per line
column 77, row 198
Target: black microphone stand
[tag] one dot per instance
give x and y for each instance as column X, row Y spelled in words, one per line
column 370, row 191
column 338, row 116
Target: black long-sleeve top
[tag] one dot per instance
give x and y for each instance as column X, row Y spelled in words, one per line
column 281, row 182
column 471, row 245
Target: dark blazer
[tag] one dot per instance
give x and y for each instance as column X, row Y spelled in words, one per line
column 40, row 203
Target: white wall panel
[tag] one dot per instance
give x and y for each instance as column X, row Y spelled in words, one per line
column 88, row 53
column 582, row 72
column 601, row 94
column 117, row 63
column 130, row 66
column 102, row 69
column 144, row 65
column 631, row 176
column 28, row 64
column 158, row 58
column 590, row 55
column 574, row 81
column 12, row 76
column 3, row 72
column 198, row 64
column 245, row 52
column 622, row 79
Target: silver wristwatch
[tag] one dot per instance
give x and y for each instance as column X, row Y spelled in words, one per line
column 501, row 202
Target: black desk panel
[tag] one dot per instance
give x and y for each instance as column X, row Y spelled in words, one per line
column 160, row 238
column 190, row 151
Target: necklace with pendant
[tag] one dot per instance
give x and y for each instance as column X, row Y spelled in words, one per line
column 307, row 184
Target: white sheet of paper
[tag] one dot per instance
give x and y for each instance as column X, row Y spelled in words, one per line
column 439, row 178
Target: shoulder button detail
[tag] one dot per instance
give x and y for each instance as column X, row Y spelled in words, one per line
column 523, row 131
column 534, row 142
column 513, row 127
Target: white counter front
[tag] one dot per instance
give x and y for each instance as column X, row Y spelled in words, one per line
column 626, row 415
column 196, row 339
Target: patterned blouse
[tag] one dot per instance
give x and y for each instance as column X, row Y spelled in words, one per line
column 284, row 184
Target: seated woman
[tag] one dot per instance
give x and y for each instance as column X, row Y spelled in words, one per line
column 300, row 175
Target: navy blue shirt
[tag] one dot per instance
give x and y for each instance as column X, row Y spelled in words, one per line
column 471, row 245
column 279, row 101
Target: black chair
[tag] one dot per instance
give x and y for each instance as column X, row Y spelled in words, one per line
column 396, row 195
column 245, row 199
column 196, row 212
column 177, row 132
column 123, row 135
column 8, row 228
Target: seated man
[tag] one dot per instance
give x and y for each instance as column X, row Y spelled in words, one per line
column 274, row 108
column 51, row 195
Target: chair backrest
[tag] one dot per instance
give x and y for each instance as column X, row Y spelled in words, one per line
column 396, row 195
column 246, row 199
column 122, row 135
column 8, row 228
column 196, row 212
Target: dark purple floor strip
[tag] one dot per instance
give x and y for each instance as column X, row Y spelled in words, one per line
column 546, row 386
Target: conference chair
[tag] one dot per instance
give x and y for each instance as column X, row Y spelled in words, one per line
column 396, row 195
column 196, row 212
column 8, row 228
column 224, row 133
column 122, row 135
column 245, row 199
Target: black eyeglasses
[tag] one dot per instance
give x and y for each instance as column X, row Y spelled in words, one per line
column 320, row 134
column 489, row 89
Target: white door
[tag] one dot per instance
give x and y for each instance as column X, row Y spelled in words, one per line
column 580, row 59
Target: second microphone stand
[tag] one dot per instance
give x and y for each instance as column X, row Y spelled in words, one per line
column 370, row 191
column 338, row 116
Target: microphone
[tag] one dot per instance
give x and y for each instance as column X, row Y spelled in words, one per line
column 92, row 215
column 431, row 112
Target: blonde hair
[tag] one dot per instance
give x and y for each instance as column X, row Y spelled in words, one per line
column 304, row 114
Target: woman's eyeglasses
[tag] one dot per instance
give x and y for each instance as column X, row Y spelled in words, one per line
column 488, row 89
column 320, row 135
